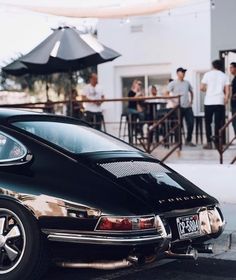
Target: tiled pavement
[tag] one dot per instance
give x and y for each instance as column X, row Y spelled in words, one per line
column 196, row 155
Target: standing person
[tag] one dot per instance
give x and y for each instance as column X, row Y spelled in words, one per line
column 151, row 111
column 136, row 107
column 151, row 106
column 216, row 85
column 132, row 105
column 233, row 95
column 93, row 110
column 184, row 89
column 76, row 106
column 171, row 103
column 154, row 91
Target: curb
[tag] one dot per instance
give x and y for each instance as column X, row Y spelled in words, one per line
column 225, row 242
column 224, row 247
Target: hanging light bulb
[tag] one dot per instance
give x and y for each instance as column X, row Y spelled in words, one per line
column 127, row 20
column 213, row 4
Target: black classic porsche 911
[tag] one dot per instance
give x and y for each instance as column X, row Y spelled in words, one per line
column 82, row 198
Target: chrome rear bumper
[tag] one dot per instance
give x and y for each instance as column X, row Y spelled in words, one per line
column 104, row 240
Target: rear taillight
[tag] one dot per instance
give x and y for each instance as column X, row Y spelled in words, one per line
column 125, row 223
column 147, row 223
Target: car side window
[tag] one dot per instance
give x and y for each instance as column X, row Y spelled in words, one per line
column 10, row 148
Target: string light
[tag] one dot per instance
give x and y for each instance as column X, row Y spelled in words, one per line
column 169, row 14
column 127, row 20
column 159, row 18
column 213, row 4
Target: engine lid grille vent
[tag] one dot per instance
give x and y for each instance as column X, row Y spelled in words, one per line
column 128, row 168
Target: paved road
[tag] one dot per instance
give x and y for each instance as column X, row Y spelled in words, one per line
column 203, row 269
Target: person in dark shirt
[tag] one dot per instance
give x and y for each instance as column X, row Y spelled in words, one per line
column 77, row 107
column 136, row 107
column 132, row 105
column 135, row 91
column 233, row 96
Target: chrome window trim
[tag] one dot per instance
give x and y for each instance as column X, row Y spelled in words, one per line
column 14, row 160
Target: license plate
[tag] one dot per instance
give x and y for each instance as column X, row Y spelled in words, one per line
column 188, row 226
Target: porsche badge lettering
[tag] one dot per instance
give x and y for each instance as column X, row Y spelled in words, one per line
column 179, row 199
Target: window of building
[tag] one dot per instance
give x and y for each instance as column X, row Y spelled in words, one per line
column 160, row 81
column 127, row 83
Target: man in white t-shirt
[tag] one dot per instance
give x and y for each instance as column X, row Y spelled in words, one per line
column 216, row 84
column 93, row 110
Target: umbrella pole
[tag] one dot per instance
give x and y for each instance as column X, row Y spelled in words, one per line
column 70, row 94
column 47, row 88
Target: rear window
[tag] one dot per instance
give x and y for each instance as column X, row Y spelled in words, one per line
column 73, row 138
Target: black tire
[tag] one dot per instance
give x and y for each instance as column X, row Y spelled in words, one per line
column 26, row 259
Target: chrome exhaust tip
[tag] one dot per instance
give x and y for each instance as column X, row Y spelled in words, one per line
column 191, row 254
column 204, row 248
column 133, row 259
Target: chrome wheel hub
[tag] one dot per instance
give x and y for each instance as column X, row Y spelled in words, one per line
column 12, row 240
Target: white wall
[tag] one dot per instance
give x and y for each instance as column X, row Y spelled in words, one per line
column 179, row 39
column 223, row 24
column 223, row 35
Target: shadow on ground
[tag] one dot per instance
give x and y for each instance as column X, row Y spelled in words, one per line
column 203, row 269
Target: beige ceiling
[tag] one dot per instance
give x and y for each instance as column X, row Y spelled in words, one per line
column 95, row 8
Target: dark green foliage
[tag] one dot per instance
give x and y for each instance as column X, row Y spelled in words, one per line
column 61, row 83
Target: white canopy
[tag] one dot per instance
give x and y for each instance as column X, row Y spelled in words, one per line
column 95, row 8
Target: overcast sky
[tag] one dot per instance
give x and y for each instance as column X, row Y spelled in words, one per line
column 22, row 30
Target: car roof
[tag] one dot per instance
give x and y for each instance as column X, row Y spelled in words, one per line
column 7, row 115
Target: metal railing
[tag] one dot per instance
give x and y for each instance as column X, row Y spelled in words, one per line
column 222, row 149
column 171, row 123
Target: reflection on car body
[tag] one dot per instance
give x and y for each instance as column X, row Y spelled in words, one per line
column 92, row 199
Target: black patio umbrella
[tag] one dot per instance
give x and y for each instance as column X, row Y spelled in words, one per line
column 16, row 68
column 67, row 50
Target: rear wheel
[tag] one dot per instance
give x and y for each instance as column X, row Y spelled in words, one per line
column 22, row 248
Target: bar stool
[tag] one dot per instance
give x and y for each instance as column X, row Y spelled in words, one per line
column 199, row 127
column 103, row 123
column 95, row 120
column 124, row 124
column 132, row 127
column 99, row 118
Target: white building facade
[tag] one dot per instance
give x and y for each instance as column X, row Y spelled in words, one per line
column 153, row 47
